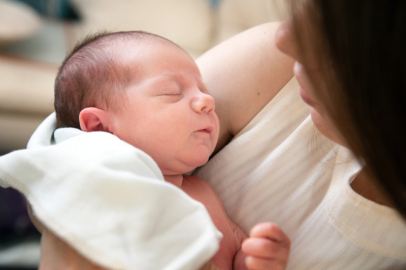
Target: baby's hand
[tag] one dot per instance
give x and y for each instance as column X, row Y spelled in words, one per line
column 267, row 247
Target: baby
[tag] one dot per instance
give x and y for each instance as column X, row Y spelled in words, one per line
column 148, row 92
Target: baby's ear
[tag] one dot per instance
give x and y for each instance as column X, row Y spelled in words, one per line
column 94, row 119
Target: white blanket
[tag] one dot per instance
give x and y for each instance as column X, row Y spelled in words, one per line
column 109, row 201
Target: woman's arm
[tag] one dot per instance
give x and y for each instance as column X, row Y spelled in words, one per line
column 243, row 74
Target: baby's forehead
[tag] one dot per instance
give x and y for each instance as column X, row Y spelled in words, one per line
column 152, row 53
column 135, row 54
column 140, row 61
column 130, row 45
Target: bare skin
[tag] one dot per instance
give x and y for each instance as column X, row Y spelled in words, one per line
column 243, row 75
column 230, row 255
column 248, row 72
column 56, row 254
column 267, row 248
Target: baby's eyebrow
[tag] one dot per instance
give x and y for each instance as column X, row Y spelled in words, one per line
column 174, row 79
column 158, row 79
column 168, row 75
column 158, row 85
column 165, row 78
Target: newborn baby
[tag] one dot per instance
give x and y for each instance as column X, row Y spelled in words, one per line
column 148, row 92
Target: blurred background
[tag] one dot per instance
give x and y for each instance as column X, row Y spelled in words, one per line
column 35, row 36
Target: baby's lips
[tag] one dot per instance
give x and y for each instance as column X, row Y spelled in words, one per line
column 209, row 129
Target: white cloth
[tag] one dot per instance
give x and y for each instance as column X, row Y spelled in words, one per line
column 280, row 169
column 109, row 200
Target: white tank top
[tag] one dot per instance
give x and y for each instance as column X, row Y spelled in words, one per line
column 279, row 168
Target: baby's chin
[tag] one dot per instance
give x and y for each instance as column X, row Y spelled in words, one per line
column 183, row 167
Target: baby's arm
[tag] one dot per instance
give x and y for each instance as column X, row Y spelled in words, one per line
column 240, row 256
column 209, row 266
column 56, row 254
column 267, row 247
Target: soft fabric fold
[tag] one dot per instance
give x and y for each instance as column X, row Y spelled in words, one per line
column 109, row 200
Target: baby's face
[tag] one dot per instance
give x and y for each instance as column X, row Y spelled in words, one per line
column 168, row 112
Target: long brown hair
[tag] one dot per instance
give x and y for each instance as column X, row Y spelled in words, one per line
column 364, row 92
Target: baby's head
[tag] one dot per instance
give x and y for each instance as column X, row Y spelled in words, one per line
column 145, row 90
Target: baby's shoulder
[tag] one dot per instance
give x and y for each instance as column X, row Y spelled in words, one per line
column 195, row 185
column 194, row 180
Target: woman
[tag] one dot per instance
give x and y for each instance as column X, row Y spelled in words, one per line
column 338, row 211
column 350, row 66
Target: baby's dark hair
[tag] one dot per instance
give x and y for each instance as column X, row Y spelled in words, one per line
column 92, row 76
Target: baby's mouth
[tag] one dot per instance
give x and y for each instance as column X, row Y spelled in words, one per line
column 208, row 130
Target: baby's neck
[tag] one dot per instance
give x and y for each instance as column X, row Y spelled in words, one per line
column 176, row 180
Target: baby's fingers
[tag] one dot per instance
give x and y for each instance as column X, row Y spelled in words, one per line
column 268, row 247
column 263, row 253
column 271, row 231
column 258, row 264
column 264, row 248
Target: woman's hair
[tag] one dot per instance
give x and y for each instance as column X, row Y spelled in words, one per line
column 364, row 81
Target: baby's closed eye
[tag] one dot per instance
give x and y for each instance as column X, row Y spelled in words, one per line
column 171, row 95
column 170, row 90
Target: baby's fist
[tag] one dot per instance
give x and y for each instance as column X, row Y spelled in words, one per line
column 267, row 247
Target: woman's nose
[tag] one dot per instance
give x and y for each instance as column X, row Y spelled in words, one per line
column 284, row 39
column 203, row 103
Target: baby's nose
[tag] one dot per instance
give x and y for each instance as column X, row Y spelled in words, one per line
column 203, row 103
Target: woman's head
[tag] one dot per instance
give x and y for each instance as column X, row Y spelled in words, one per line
column 352, row 67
